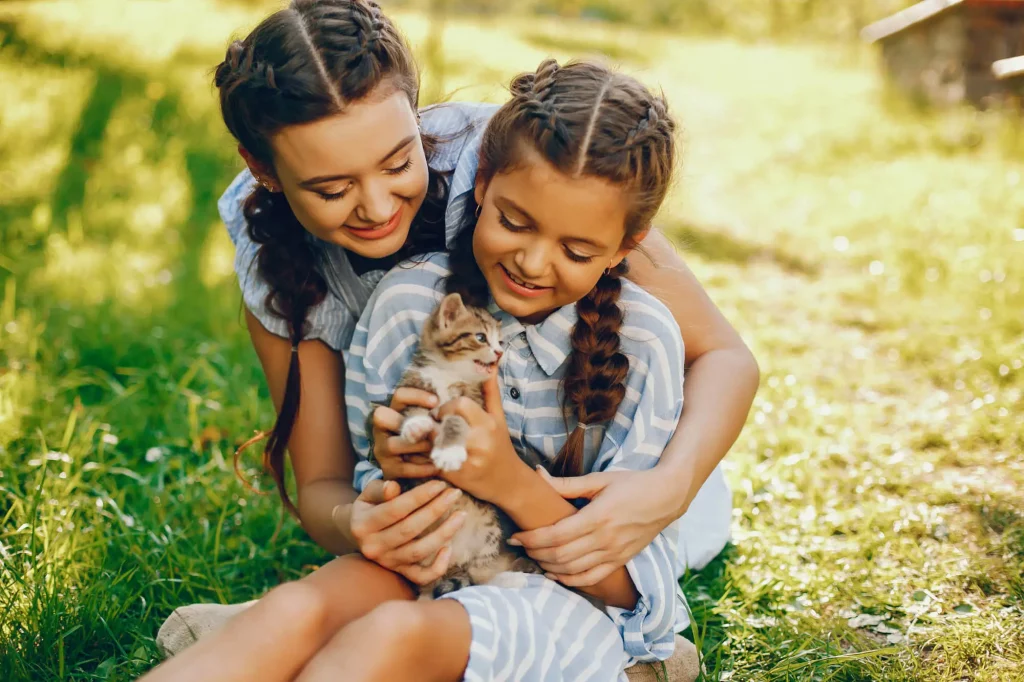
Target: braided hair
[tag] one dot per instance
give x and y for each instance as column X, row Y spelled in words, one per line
column 587, row 121
column 301, row 64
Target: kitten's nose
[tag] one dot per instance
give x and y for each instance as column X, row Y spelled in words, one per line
column 497, row 355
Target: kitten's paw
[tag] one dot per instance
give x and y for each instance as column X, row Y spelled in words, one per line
column 450, row 458
column 416, row 428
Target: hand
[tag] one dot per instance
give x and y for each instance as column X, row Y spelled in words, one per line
column 386, row 526
column 628, row 510
column 492, row 463
column 395, row 457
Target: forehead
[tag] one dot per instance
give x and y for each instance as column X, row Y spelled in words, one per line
column 348, row 143
column 588, row 207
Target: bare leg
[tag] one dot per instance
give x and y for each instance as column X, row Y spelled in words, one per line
column 426, row 641
column 276, row 637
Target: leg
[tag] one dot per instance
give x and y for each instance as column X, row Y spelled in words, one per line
column 274, row 638
column 450, row 443
column 426, row 641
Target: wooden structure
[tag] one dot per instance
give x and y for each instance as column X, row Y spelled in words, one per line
column 944, row 51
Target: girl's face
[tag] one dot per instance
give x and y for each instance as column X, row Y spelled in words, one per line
column 543, row 239
column 356, row 179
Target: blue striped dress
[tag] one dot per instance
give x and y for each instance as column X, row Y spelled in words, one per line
column 526, row 627
column 703, row 530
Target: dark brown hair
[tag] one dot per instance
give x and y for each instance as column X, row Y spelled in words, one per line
column 301, row 64
column 587, row 121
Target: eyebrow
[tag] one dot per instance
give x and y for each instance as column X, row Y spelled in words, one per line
column 523, row 212
column 320, row 179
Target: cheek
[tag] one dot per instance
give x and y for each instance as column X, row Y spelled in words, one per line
column 318, row 216
column 576, row 281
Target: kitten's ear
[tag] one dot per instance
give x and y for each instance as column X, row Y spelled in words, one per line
column 450, row 309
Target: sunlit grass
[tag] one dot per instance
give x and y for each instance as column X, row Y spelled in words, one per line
column 870, row 253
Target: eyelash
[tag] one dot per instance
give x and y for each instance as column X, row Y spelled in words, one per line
column 390, row 171
column 512, row 227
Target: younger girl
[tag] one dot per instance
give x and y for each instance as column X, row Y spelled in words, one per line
column 571, row 173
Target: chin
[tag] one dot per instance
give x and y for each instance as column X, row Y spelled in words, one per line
column 373, row 248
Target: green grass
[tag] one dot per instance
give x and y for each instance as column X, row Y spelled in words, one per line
column 870, row 253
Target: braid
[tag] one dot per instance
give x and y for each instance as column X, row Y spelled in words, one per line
column 594, row 382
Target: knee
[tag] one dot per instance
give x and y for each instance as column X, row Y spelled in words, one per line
column 396, row 621
column 301, row 606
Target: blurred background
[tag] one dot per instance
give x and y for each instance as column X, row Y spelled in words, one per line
column 868, row 245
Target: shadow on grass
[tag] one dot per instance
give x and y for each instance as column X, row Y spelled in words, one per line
column 717, row 245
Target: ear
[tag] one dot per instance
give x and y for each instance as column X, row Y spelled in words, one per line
column 263, row 173
column 479, row 189
column 450, row 309
column 628, row 245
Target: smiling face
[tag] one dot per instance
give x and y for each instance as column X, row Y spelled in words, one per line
column 543, row 239
column 355, row 179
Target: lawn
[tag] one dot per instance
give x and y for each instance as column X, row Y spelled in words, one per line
column 870, row 253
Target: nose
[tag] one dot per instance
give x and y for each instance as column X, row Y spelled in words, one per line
column 376, row 205
column 532, row 260
column 497, row 354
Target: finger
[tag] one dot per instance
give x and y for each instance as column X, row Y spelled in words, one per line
column 574, row 566
column 585, row 579
column 385, row 515
column 411, row 525
column 400, row 469
column 387, row 420
column 379, row 492
column 561, row 554
column 416, row 551
column 421, row 575
column 465, row 408
column 492, row 397
column 562, row 533
column 407, row 396
column 396, row 445
column 573, row 487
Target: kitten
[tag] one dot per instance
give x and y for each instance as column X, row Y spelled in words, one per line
column 459, row 347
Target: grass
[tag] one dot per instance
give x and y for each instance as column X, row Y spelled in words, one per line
column 870, row 253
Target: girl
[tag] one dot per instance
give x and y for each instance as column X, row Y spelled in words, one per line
column 322, row 99
column 571, row 172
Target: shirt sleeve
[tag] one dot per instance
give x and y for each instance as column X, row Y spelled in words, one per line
column 634, row 441
column 329, row 321
column 383, row 344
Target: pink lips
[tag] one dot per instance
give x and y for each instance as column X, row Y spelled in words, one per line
column 519, row 289
column 380, row 231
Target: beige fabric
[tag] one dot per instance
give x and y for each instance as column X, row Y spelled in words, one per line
column 187, row 624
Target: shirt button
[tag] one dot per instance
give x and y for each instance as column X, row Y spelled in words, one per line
column 522, row 335
column 514, row 392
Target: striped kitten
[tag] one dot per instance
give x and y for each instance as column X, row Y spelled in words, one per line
column 459, row 347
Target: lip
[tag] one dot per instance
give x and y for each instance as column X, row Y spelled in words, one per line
column 380, row 231
column 518, row 289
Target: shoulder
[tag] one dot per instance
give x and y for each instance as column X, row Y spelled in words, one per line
column 414, row 284
column 649, row 332
column 458, row 127
column 230, row 205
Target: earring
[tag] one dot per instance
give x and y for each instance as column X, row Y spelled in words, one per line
column 478, row 209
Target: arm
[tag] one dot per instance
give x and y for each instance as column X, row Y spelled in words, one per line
column 721, row 380
column 321, row 453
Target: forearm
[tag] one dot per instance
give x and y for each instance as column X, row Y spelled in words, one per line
column 535, row 504
column 719, row 390
column 317, row 501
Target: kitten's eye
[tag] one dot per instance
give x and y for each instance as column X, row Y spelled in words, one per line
column 482, row 338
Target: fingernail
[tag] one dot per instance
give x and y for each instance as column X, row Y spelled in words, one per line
column 454, row 494
column 551, row 576
column 460, row 518
column 514, row 542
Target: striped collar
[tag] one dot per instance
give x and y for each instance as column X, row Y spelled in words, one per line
column 550, row 341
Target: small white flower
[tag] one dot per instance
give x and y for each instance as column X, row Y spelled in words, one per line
column 110, row 439
column 155, row 454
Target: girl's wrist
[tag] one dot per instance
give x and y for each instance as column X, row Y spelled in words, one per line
column 669, row 485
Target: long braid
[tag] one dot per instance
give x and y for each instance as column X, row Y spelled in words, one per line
column 594, row 383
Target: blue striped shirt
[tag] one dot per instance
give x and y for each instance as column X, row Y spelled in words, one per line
column 530, row 375
column 460, row 127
